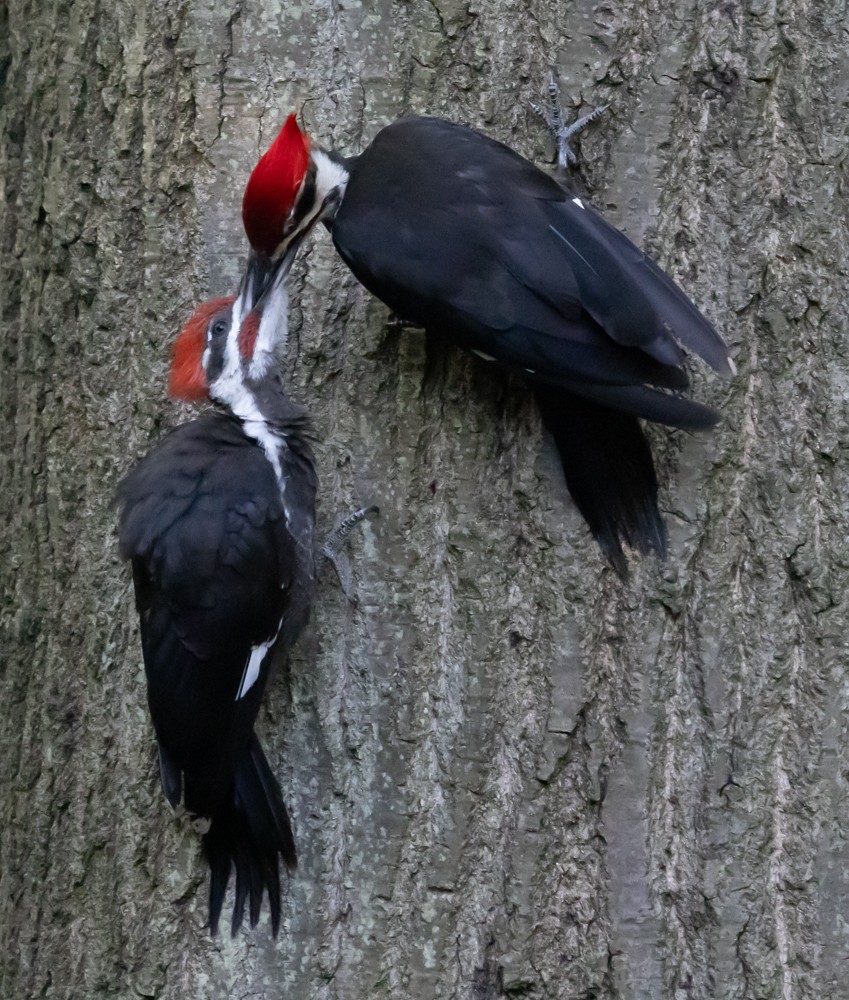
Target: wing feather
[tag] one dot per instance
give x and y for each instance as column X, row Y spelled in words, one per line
column 213, row 567
column 505, row 261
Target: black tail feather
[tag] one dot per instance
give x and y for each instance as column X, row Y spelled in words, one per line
column 651, row 404
column 610, row 473
column 249, row 833
column 171, row 778
column 218, row 855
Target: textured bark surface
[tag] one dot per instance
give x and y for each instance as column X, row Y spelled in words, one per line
column 510, row 775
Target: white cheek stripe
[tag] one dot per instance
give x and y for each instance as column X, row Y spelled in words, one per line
column 328, row 175
column 233, row 391
column 230, row 389
column 239, row 311
column 271, row 444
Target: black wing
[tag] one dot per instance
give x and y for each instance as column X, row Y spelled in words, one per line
column 213, row 564
column 457, row 232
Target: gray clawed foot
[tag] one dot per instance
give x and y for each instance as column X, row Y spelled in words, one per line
column 552, row 115
column 332, row 549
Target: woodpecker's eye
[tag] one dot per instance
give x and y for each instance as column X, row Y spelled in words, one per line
column 219, row 328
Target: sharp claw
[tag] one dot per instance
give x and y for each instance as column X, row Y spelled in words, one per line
column 553, row 118
column 332, row 548
column 554, row 99
column 546, row 116
column 336, row 538
column 575, row 127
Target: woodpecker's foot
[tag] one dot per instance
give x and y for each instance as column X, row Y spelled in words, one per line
column 332, row 549
column 552, row 115
column 201, row 824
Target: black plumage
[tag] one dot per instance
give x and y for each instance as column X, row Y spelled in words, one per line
column 213, row 563
column 459, row 234
column 223, row 567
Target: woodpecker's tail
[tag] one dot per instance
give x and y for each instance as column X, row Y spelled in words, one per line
column 248, row 833
column 609, row 470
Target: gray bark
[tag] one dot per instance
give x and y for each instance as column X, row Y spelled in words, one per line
column 510, row 775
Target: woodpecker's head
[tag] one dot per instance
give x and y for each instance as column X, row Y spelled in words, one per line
column 230, row 345
column 293, row 187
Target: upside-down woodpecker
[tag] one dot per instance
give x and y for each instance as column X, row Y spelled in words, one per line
column 218, row 522
column 459, row 234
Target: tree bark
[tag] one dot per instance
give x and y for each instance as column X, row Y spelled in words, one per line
column 510, row 775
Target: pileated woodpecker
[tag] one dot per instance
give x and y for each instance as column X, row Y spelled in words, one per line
column 218, row 522
column 459, row 234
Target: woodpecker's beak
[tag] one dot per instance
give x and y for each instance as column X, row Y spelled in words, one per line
column 263, row 271
column 258, row 275
column 290, row 252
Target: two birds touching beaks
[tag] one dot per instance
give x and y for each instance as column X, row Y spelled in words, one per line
column 458, row 234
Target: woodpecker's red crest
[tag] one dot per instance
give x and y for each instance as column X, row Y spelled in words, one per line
column 273, row 187
column 188, row 379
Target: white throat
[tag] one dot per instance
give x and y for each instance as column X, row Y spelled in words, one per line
column 273, row 331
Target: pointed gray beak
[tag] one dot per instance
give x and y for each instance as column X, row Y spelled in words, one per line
column 259, row 274
column 262, row 273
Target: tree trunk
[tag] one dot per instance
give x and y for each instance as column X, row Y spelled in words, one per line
column 510, row 775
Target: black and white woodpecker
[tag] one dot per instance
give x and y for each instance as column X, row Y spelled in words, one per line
column 460, row 235
column 218, row 523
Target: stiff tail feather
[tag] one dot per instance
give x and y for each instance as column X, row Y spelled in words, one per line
column 610, row 473
column 649, row 403
column 249, row 833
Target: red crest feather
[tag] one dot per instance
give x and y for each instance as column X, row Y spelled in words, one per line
column 188, row 379
column 273, row 185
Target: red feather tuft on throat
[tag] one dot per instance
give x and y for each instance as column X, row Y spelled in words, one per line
column 188, row 379
column 273, row 185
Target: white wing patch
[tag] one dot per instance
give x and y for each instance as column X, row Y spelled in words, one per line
column 254, row 662
column 578, row 202
column 251, row 671
column 486, row 357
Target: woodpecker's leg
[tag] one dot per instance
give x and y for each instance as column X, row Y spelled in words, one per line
column 332, row 549
column 552, row 115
